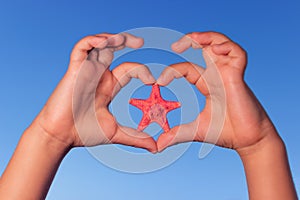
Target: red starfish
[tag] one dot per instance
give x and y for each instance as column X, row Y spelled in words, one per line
column 155, row 109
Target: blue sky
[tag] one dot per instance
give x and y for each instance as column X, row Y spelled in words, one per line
column 36, row 38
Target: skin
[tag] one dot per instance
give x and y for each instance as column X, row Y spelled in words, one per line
column 55, row 131
column 247, row 129
column 81, row 98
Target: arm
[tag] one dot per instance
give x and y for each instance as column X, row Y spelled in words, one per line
column 267, row 169
column 63, row 124
column 33, row 166
column 232, row 117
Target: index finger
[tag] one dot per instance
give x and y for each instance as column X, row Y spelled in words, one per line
column 86, row 44
column 128, row 70
column 198, row 40
column 190, row 71
column 114, row 43
column 102, row 41
column 122, row 40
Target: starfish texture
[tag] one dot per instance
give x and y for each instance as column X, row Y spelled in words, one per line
column 155, row 109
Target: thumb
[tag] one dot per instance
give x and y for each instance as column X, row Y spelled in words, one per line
column 178, row 134
column 131, row 137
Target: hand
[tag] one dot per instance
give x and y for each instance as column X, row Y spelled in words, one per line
column 229, row 101
column 76, row 114
column 77, row 111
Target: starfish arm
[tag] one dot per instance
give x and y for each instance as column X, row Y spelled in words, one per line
column 139, row 103
column 171, row 105
column 166, row 126
column 155, row 93
column 145, row 121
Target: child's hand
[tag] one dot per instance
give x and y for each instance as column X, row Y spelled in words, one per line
column 77, row 111
column 228, row 99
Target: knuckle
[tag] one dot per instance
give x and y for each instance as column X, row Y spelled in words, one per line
column 126, row 67
column 195, row 34
column 240, row 49
column 87, row 38
column 83, row 40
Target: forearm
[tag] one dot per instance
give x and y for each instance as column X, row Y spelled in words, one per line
column 267, row 170
column 33, row 166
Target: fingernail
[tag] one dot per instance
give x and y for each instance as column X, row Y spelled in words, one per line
column 175, row 46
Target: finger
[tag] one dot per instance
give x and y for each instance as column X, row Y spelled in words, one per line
column 133, row 41
column 198, row 40
column 183, row 44
column 114, row 43
column 115, row 40
column 122, row 40
column 81, row 49
column 192, row 72
column 131, row 137
column 106, row 56
column 228, row 48
column 128, row 70
column 112, row 82
column 178, row 134
column 236, row 54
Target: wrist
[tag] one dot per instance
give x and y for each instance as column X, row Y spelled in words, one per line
column 267, row 169
column 47, row 140
column 267, row 144
column 35, row 160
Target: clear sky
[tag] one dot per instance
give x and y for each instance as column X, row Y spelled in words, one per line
column 36, row 38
